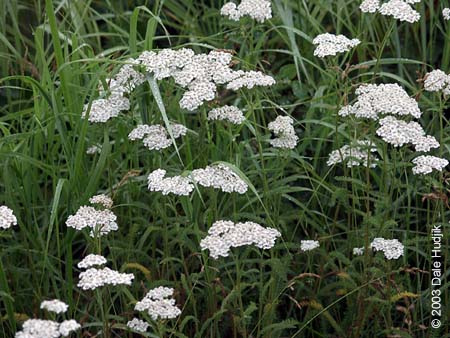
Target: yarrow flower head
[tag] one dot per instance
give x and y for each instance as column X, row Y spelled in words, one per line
column 330, row 44
column 398, row 9
column 383, row 99
column 54, row 305
column 436, row 81
column 101, row 222
column 102, row 110
column 138, row 325
column 308, row 245
column 391, row 248
column 219, row 176
column 91, row 260
column 200, row 74
column 425, row 164
column 231, row 114
column 94, row 278
column 156, row 137
column 92, row 150
column 370, row 6
column 358, row 251
column 68, row 326
column 446, row 13
column 159, row 304
column 177, row 185
column 7, row 217
column 102, row 200
column 249, row 80
column 283, row 128
column 259, row 10
column 354, row 155
column 398, row 133
column 224, row 235
column 39, row 328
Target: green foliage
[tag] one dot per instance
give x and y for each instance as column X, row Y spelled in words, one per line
column 53, row 55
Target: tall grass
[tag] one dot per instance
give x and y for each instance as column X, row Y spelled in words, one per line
column 53, row 55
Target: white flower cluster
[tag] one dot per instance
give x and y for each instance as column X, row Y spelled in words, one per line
column 177, row 185
column 391, row 248
column 259, row 10
column 102, row 110
column 375, row 100
column 436, row 81
column 224, row 235
column 93, row 278
column 102, row 200
column 446, row 13
column 249, row 80
column 425, row 164
column 283, row 128
column 354, row 155
column 91, row 260
column 199, row 73
column 7, row 218
column 399, row 133
column 138, row 325
column 92, row 150
column 217, row 176
column 221, row 177
column 54, row 305
column 370, row 6
column 68, row 326
column 114, row 100
column 39, row 328
column 156, row 137
column 229, row 113
column 101, row 222
column 159, row 304
column 399, row 9
column 308, row 245
column 330, row 44
column 358, row 251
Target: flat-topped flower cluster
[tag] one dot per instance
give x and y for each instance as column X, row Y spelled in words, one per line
column 331, row 44
column 283, row 128
column 437, row 81
column 354, row 155
column 99, row 221
column 259, row 10
column 399, row 9
column 40, row 328
column 425, row 164
column 218, row 176
column 446, row 13
column 7, row 217
column 392, row 248
column 156, row 137
column 231, row 114
column 308, row 245
column 200, row 74
column 387, row 103
column 94, row 278
column 224, row 235
column 374, row 101
column 159, row 304
column 54, row 305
